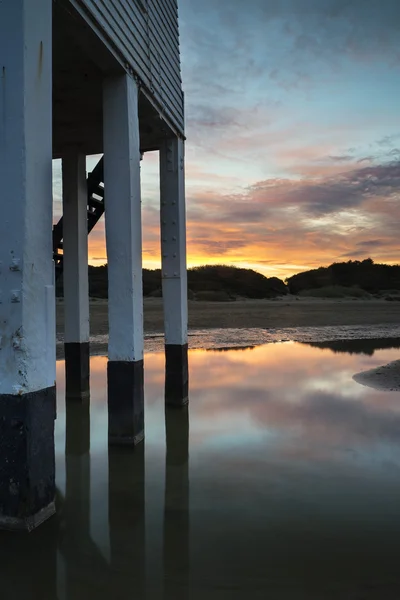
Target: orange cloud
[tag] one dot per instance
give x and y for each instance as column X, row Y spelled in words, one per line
column 282, row 226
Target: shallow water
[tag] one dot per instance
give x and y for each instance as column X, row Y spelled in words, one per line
column 208, row 339
column 282, row 480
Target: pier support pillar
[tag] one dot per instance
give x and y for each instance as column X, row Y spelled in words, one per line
column 76, row 285
column 27, row 299
column 174, row 274
column 124, row 253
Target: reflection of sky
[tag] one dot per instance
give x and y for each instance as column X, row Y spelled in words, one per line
column 284, row 483
column 293, row 399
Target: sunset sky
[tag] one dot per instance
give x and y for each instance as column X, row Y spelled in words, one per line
column 293, row 135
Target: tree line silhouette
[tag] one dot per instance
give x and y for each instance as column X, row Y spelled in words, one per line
column 222, row 282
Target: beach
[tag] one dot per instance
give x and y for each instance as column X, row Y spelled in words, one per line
column 278, row 313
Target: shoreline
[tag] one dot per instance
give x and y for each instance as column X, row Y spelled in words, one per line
column 342, row 338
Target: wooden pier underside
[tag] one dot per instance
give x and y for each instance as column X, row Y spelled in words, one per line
column 80, row 62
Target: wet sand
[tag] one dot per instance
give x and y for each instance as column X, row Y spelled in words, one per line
column 279, row 313
column 385, row 378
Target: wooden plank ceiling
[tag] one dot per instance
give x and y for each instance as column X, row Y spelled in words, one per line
column 80, row 62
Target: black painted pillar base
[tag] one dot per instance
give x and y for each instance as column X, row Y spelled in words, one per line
column 27, row 463
column 77, row 371
column 125, row 402
column 77, row 429
column 176, row 375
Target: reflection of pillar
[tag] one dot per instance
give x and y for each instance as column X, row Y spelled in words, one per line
column 76, row 285
column 27, row 301
column 76, row 542
column 126, row 505
column 77, row 465
column 176, row 508
column 174, row 275
column 86, row 570
column 29, row 564
column 124, row 252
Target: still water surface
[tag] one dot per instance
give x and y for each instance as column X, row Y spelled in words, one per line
column 282, row 480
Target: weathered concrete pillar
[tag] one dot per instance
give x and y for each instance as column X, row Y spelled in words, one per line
column 76, row 284
column 174, row 275
column 124, row 253
column 27, row 300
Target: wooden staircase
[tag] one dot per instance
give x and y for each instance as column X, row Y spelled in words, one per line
column 95, row 209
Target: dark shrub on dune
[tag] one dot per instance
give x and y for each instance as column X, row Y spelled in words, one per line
column 216, row 282
column 234, row 282
column 364, row 274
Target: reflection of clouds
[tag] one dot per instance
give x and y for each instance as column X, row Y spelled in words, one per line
column 296, row 399
column 302, row 398
column 280, row 459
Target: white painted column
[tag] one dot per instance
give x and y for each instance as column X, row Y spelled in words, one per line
column 27, row 299
column 75, row 246
column 124, row 254
column 174, row 273
column 75, row 272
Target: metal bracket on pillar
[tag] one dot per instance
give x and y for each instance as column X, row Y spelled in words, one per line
column 171, row 261
column 171, row 158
